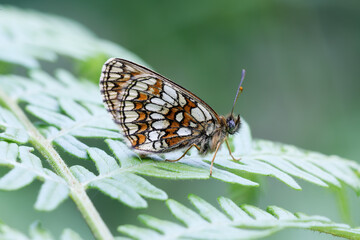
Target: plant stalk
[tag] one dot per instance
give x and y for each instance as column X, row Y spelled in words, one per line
column 343, row 204
column 77, row 191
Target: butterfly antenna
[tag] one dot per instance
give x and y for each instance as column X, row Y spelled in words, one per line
column 240, row 89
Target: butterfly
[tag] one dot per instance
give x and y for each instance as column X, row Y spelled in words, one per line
column 156, row 115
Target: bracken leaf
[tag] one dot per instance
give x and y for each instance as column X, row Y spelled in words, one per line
column 244, row 222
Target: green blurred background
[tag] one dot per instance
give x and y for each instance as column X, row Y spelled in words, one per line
column 302, row 87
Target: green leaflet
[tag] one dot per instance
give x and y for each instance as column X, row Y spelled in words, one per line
column 52, row 193
column 14, row 131
column 36, row 231
column 8, row 233
column 244, row 222
column 17, row 135
column 285, row 161
column 26, row 167
column 162, row 169
column 47, row 42
column 118, row 183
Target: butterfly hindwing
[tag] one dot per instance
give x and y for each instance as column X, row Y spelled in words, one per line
column 154, row 113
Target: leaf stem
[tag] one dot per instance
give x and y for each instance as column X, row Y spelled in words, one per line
column 343, row 203
column 77, row 191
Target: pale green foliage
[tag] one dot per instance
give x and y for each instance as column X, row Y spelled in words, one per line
column 27, row 37
column 285, row 161
column 25, row 168
column 36, row 231
column 68, row 112
column 244, row 222
column 69, row 115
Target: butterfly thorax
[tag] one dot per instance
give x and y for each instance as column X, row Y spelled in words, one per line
column 222, row 129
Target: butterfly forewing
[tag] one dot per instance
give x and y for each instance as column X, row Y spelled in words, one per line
column 154, row 113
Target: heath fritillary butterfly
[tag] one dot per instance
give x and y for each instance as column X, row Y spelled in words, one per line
column 157, row 115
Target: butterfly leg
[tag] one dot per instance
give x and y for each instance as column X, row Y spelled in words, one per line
column 212, row 161
column 228, row 146
column 194, row 145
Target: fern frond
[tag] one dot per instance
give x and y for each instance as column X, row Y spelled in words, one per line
column 36, row 231
column 244, row 222
column 47, row 117
column 30, row 36
column 284, row 162
column 26, row 167
column 70, row 119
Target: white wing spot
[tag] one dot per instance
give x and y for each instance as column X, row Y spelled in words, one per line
column 116, row 69
column 198, row 114
column 157, row 116
column 184, row 131
column 170, row 91
column 157, row 145
column 207, row 114
column 182, row 100
column 162, row 124
column 152, row 107
column 153, row 136
column 131, row 116
column 140, row 86
column 158, row 101
column 133, row 128
column 115, row 75
column 179, row 116
column 168, row 99
column 132, row 94
column 147, row 146
column 128, row 106
column 192, row 124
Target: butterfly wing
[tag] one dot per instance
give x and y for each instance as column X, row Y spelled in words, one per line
column 155, row 114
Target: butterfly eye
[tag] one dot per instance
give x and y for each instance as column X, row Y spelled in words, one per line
column 231, row 125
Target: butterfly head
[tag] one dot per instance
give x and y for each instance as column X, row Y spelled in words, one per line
column 232, row 124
